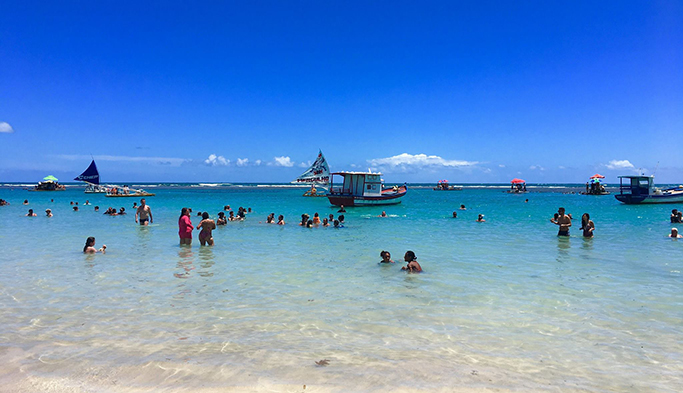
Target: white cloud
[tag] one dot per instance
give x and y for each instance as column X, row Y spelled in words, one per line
column 536, row 167
column 215, row 160
column 304, row 165
column 242, row 161
column 418, row 160
column 283, row 161
column 257, row 162
column 561, row 167
column 6, row 128
column 619, row 164
column 501, row 166
column 152, row 160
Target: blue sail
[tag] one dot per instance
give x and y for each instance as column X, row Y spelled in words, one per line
column 90, row 175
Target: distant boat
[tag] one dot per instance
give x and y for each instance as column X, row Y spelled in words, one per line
column 518, row 186
column 364, row 189
column 317, row 174
column 125, row 191
column 92, row 176
column 49, row 183
column 594, row 186
column 641, row 189
column 443, row 185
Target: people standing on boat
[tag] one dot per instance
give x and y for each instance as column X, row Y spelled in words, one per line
column 207, row 225
column 185, row 226
column 587, row 225
column 386, row 257
column 674, row 234
column 563, row 221
column 144, row 212
column 412, row 265
column 90, row 247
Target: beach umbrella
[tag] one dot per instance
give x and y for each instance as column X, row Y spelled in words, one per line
column 595, row 180
column 50, row 178
column 597, row 176
column 517, row 181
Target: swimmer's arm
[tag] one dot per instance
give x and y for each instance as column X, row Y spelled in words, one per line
column 149, row 211
column 136, row 215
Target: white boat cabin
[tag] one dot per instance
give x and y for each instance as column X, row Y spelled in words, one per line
column 358, row 184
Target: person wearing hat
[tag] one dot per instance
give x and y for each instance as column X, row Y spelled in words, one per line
column 674, row 234
column 48, row 212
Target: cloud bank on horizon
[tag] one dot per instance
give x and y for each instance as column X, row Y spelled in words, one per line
column 418, row 161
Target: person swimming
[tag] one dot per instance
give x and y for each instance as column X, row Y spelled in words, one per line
column 280, row 220
column 455, row 214
column 326, row 222
column 481, row 218
column 384, row 214
column 207, row 225
column 31, row 213
column 412, row 266
column 90, row 246
column 48, row 213
column 386, row 257
column 316, row 219
column 221, row 219
column 674, row 234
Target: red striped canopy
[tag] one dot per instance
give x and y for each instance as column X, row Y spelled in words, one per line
column 517, row 181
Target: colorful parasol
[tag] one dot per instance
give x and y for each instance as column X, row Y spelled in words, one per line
column 517, row 181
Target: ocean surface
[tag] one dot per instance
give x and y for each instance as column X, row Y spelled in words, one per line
column 503, row 305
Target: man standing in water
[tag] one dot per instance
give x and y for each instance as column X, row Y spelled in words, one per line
column 564, row 222
column 145, row 213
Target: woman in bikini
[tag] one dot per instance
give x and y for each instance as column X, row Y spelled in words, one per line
column 587, row 225
column 207, row 225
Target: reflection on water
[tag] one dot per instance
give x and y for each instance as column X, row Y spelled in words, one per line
column 205, row 261
column 185, row 263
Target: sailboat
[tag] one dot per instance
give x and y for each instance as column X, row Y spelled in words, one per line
column 317, row 174
column 92, row 177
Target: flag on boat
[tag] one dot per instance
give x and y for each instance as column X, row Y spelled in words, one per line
column 90, row 175
column 318, row 173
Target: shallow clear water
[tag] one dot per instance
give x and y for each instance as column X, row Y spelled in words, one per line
column 501, row 304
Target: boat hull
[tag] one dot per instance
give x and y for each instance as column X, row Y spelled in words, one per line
column 388, row 197
column 146, row 194
column 630, row 199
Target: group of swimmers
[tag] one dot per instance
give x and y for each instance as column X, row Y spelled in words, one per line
column 308, row 222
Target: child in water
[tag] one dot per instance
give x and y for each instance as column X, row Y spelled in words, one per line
column 386, row 257
column 412, row 266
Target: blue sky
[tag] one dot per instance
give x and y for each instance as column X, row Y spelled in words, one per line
column 249, row 91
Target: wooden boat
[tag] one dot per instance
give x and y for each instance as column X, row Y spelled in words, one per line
column 364, row 189
column 442, row 185
column 91, row 176
column 518, row 186
column 125, row 192
column 49, row 183
column 641, row 189
column 594, row 186
column 317, row 174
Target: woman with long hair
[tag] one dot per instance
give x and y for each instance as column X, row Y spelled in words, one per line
column 587, row 225
column 89, row 247
column 185, row 227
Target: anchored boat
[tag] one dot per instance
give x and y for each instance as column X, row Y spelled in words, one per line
column 364, row 189
column 318, row 174
column 641, row 189
column 92, row 177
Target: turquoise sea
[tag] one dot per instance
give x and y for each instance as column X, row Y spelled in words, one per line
column 503, row 305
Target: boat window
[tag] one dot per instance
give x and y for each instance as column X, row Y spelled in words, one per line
column 370, row 187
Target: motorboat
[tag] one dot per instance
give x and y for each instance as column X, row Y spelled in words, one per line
column 640, row 189
column 363, row 189
column 443, row 185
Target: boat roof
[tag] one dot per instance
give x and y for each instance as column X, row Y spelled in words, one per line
column 636, row 177
column 355, row 173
